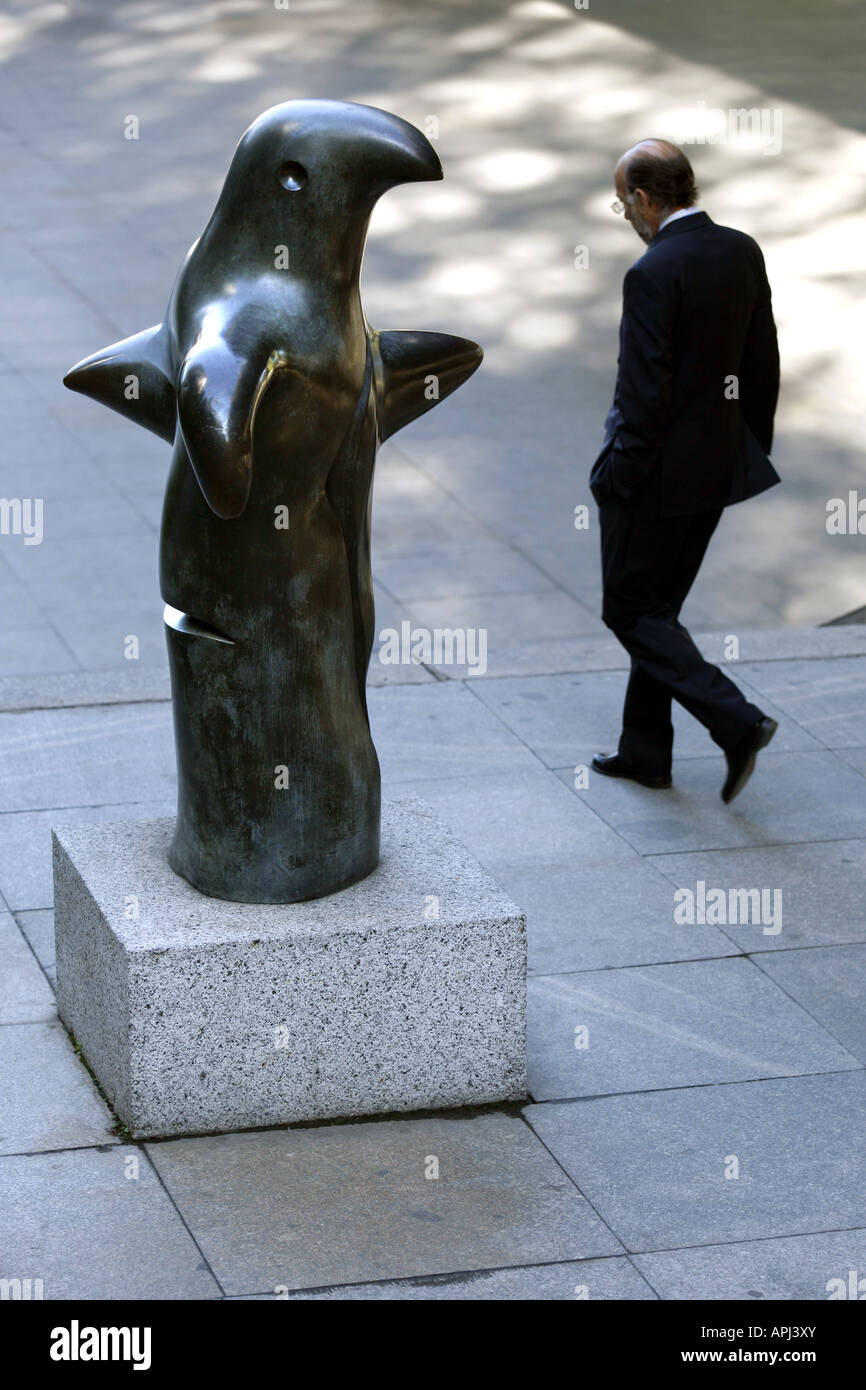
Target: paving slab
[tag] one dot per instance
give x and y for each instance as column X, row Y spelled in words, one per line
column 415, row 514
column 303, row 1208
column 591, row 902
column 381, row 672
column 830, row 984
column 854, row 757
column 60, row 758
column 761, row 645
column 660, row 1026
column 151, row 196
column 791, row 798
column 550, row 656
column 97, row 1224
column 100, row 645
column 827, row 699
column 441, row 730
column 37, row 646
column 604, row 914
column 67, row 568
column 567, row 718
column 18, row 608
column 25, row 994
column 49, row 1100
column 612, row 1278
column 484, row 568
column 815, row 1267
column 573, row 568
column 508, row 619
column 129, row 684
column 821, row 888
column 25, row 846
column 38, row 928
column 654, row 1165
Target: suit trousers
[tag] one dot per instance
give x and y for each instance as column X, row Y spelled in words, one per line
column 649, row 563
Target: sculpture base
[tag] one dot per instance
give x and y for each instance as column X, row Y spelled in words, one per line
column 403, row 992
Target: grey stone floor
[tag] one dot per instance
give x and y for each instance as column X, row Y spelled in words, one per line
column 474, row 506
column 695, row 1126
column 709, row 1049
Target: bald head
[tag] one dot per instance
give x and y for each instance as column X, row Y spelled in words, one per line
column 654, row 179
column 662, row 171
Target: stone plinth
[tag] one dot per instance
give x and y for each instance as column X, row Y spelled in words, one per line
column 403, row 992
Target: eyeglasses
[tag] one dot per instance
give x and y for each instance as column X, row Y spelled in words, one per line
column 617, row 207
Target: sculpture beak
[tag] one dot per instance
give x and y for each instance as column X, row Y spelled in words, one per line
column 406, row 156
column 427, row 165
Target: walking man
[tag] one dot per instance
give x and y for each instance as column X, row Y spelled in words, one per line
column 689, row 433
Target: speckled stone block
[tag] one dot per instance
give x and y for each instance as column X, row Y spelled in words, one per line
column 403, row 992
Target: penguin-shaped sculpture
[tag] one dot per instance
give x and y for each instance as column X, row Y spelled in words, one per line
column 275, row 393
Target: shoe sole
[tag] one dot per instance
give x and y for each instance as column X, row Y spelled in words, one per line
column 653, row 784
column 766, row 735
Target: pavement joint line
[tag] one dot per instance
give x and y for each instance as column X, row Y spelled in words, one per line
column 204, row 1259
column 437, row 675
column 467, row 1276
column 646, row 1278
column 29, row 1022
column 111, row 1142
column 30, row 948
column 819, row 946
column 800, row 1005
column 745, row 1240
column 60, row 637
column 737, row 849
column 638, row 965
column 455, row 1113
column 622, row 662
column 573, row 1181
column 88, row 704
column 740, row 953
column 698, row 1086
column 77, row 806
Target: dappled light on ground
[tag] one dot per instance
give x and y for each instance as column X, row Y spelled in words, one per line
column 529, row 105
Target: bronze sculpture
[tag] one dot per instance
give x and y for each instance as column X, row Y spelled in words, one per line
column 275, row 393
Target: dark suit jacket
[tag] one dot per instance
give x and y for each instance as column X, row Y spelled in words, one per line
column 696, row 312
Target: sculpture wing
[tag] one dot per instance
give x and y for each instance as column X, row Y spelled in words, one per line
column 415, row 371
column 219, row 387
column 133, row 377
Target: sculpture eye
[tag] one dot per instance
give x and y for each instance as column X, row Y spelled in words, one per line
column 293, row 176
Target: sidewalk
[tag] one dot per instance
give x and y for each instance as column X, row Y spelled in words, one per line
column 473, row 511
column 709, row 1049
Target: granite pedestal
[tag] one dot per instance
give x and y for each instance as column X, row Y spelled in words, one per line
column 403, row 992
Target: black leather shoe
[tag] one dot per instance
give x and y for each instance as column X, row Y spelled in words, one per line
column 741, row 758
column 612, row 765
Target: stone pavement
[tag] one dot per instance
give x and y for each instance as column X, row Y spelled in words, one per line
column 709, row 1049
column 474, row 507
column 695, row 1126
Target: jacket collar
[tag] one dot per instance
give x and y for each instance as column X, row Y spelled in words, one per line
column 683, row 224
